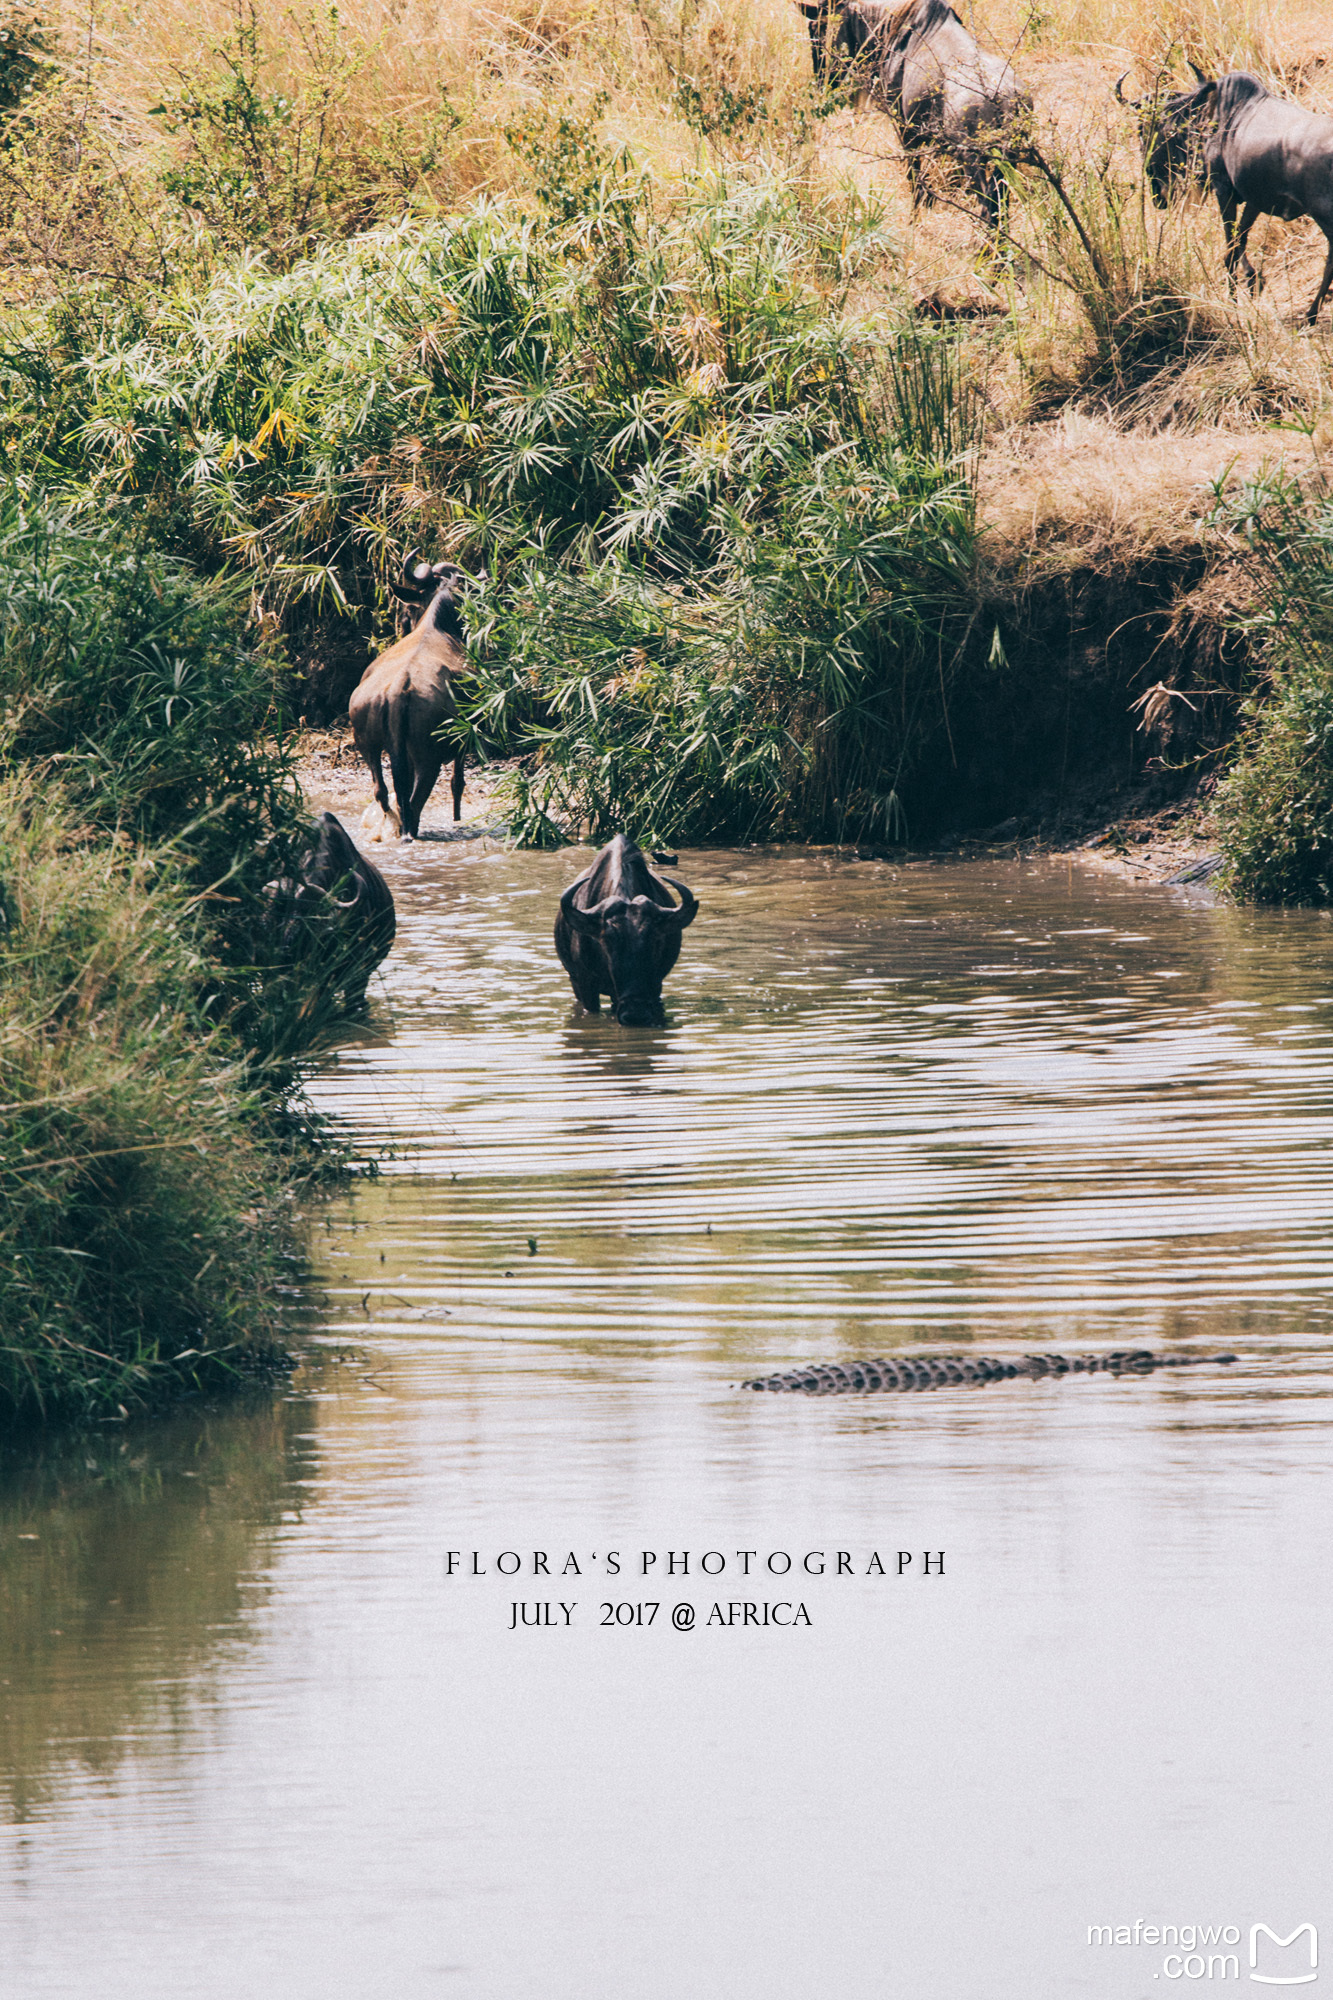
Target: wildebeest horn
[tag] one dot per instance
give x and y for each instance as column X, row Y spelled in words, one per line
column 1120, row 95
column 1199, row 75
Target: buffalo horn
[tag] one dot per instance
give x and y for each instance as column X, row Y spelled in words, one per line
column 579, row 917
column 689, row 905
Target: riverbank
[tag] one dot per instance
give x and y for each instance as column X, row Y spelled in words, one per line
column 153, row 1139
column 1146, row 847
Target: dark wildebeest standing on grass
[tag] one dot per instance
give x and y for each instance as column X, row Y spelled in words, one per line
column 927, row 71
column 949, row 95
column 1172, row 136
column 337, row 909
column 406, row 696
column 618, row 933
column 1269, row 157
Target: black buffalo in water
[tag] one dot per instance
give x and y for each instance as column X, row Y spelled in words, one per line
column 1173, row 135
column 1267, row 156
column 337, row 911
column 618, row 933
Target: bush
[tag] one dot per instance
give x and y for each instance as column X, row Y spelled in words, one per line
column 142, row 1223
column 1275, row 807
column 783, row 692
column 141, row 683
column 631, row 420
column 151, row 1023
column 1133, row 270
column 141, row 689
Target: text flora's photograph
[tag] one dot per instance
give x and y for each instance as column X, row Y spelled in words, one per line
column 666, row 755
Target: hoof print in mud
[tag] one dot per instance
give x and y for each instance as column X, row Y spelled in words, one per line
column 936, row 1371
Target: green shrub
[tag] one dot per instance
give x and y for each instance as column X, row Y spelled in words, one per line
column 152, row 1022
column 495, row 383
column 142, row 1222
column 783, row 692
column 141, row 683
column 1275, row 807
column 141, row 689
column 632, row 420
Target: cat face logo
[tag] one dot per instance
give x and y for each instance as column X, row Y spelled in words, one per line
column 1284, row 1978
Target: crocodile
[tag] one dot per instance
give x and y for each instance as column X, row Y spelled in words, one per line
column 936, row 1371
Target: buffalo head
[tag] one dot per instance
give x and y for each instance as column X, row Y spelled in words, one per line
column 335, row 914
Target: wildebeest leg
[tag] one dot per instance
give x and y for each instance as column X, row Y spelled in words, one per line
column 375, row 765
column 400, row 769
column 989, row 184
column 457, row 784
column 1228, row 204
column 1237, row 234
column 1249, row 215
column 423, row 785
column 1324, row 284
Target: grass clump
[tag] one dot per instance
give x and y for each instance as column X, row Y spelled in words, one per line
column 781, row 682
column 142, row 1224
column 150, row 1024
column 1274, row 809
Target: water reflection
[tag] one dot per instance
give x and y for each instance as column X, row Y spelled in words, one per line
column 889, row 1104
column 259, row 1743
column 130, row 1569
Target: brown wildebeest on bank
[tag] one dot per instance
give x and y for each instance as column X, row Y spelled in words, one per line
column 865, row 30
column 947, row 93
column 408, row 693
column 927, row 70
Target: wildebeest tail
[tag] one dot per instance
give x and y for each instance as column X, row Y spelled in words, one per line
column 400, row 761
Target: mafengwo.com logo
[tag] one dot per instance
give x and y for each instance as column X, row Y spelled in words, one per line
column 1216, row 1951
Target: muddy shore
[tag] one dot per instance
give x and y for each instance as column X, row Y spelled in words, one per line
column 1151, row 847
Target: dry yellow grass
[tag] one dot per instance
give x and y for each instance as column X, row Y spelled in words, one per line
column 1081, row 492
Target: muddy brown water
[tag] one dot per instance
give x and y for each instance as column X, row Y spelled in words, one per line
column 257, row 1741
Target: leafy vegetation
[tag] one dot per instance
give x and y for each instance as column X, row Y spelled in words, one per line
column 1275, row 808
column 150, row 1024
column 669, row 439
column 142, row 1222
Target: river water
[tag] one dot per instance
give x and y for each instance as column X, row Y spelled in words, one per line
column 270, row 1727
